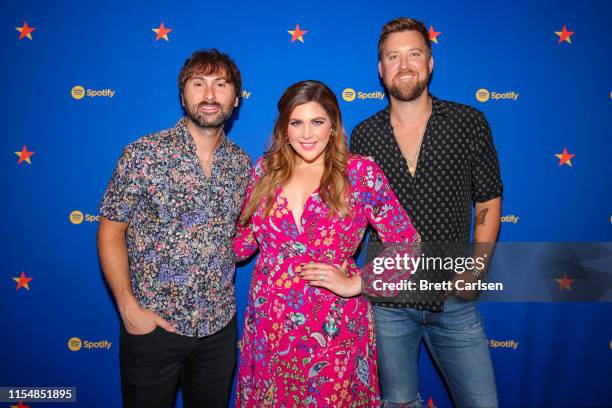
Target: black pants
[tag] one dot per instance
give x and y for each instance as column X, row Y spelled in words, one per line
column 155, row 364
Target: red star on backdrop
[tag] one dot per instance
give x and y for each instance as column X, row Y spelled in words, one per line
column 565, row 283
column 25, row 31
column 162, row 32
column 22, row 281
column 564, row 35
column 297, row 34
column 20, row 405
column 431, row 403
column 433, row 34
column 565, row 158
column 24, row 155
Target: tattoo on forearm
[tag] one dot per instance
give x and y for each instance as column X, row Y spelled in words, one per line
column 481, row 217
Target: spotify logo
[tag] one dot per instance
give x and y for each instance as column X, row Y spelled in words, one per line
column 75, row 344
column 482, row 95
column 76, row 217
column 349, row 94
column 78, row 92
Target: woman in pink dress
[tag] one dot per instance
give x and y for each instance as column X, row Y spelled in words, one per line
column 308, row 337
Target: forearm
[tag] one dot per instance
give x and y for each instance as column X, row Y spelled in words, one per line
column 487, row 220
column 113, row 253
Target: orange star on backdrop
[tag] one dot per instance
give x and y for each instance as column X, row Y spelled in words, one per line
column 25, row 30
column 564, row 35
column 565, row 283
column 20, row 405
column 565, row 158
column 433, row 35
column 297, row 34
column 22, row 281
column 162, row 32
column 431, row 403
column 24, row 155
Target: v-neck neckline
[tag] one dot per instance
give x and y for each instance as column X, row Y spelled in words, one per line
column 422, row 148
column 426, row 137
column 188, row 142
column 297, row 223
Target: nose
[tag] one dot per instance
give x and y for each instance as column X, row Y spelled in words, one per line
column 209, row 93
column 403, row 62
column 307, row 132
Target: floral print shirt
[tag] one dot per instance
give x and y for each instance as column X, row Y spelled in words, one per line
column 181, row 226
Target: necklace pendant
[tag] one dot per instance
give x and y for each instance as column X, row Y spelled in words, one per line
column 412, row 170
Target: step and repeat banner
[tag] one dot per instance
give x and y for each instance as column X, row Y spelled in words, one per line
column 80, row 80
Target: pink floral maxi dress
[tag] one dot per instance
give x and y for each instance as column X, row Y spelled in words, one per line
column 302, row 345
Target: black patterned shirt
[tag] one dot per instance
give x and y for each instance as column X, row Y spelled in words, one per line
column 181, row 226
column 457, row 166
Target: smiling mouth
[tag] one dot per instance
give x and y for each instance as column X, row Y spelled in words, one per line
column 308, row 146
column 406, row 77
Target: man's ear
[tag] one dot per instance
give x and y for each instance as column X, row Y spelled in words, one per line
column 431, row 64
column 380, row 69
column 237, row 102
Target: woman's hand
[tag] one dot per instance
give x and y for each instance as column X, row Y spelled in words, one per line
column 333, row 279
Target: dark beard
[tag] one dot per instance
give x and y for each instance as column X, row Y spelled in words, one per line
column 208, row 121
column 407, row 95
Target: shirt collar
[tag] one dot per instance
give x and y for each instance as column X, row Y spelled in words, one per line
column 186, row 140
column 439, row 108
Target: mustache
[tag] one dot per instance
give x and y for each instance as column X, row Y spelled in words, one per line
column 204, row 104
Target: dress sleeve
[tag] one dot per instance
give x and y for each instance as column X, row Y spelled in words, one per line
column 381, row 206
column 245, row 243
column 395, row 230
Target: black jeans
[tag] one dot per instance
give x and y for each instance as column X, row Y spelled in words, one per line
column 155, row 364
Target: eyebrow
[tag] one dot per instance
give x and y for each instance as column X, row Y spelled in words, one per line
column 203, row 77
column 411, row 49
column 317, row 118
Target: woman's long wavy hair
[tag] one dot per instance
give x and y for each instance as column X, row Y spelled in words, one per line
column 280, row 158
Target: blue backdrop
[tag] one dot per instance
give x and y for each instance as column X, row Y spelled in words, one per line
column 552, row 58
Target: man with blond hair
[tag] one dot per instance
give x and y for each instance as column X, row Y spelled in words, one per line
column 440, row 160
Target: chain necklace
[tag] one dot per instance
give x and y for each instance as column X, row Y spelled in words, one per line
column 412, row 164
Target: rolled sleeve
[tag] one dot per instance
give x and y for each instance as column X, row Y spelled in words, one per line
column 486, row 179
